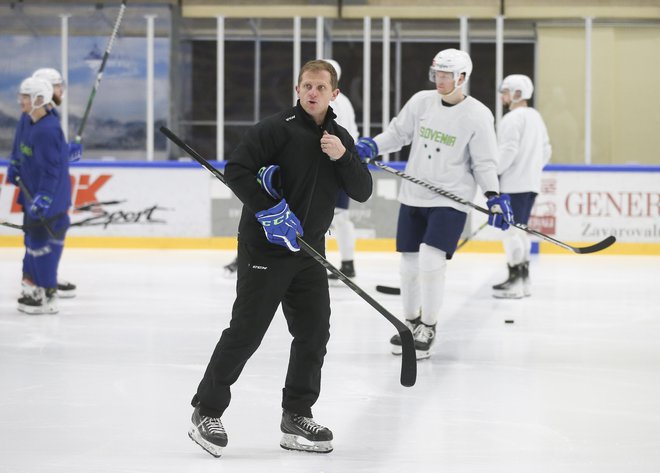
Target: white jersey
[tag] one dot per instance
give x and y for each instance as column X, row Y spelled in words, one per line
column 453, row 148
column 524, row 150
column 345, row 114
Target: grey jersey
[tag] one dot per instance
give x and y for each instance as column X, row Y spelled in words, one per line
column 453, row 148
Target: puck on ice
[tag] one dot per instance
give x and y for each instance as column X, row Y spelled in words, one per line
column 508, row 321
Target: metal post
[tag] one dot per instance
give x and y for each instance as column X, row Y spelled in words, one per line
column 499, row 66
column 588, row 25
column 64, row 21
column 320, row 54
column 465, row 45
column 296, row 54
column 386, row 77
column 220, row 91
column 366, row 84
column 150, row 86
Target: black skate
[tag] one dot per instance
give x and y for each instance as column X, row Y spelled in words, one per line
column 395, row 341
column 302, row 433
column 40, row 301
column 231, row 268
column 512, row 288
column 347, row 268
column 527, row 290
column 208, row 433
column 66, row 290
column 424, row 338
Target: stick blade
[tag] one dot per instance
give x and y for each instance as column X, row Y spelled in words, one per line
column 408, row 359
column 601, row 245
column 395, row 291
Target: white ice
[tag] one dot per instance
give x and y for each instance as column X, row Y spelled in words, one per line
column 104, row 386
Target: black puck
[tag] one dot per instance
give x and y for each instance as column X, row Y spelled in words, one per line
column 508, row 321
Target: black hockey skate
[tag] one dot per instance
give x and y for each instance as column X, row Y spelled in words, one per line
column 40, row 301
column 66, row 290
column 424, row 338
column 512, row 288
column 208, row 433
column 231, row 268
column 347, row 268
column 527, row 289
column 395, row 341
column 303, row 434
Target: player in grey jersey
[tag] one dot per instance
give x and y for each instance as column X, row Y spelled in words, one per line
column 524, row 149
column 453, row 146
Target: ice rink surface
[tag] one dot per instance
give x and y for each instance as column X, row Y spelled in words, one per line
column 104, row 386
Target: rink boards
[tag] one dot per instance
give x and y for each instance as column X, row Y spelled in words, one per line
column 178, row 205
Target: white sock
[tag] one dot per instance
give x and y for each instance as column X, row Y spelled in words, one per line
column 410, row 289
column 515, row 243
column 344, row 233
column 432, row 266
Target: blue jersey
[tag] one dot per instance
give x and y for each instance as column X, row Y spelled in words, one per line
column 44, row 160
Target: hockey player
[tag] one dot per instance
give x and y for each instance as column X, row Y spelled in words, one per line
column 287, row 166
column 524, row 150
column 43, row 167
column 453, row 147
column 342, row 225
column 65, row 289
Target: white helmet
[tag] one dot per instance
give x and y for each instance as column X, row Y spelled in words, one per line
column 451, row 60
column 51, row 75
column 336, row 65
column 35, row 88
column 518, row 82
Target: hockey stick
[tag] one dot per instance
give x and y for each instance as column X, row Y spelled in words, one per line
column 10, row 225
column 408, row 360
column 83, row 208
column 99, row 74
column 601, row 245
column 395, row 291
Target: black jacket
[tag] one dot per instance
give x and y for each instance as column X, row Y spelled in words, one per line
column 310, row 180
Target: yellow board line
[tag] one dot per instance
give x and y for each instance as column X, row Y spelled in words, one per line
column 375, row 244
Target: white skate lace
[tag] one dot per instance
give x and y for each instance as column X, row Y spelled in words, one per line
column 308, row 423
column 213, row 425
column 424, row 333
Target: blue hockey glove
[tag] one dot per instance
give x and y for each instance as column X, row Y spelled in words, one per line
column 366, row 147
column 12, row 171
column 281, row 225
column 268, row 178
column 501, row 215
column 40, row 206
column 75, row 151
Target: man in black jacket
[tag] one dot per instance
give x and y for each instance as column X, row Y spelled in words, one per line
column 287, row 171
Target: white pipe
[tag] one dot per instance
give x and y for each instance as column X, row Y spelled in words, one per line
column 150, row 86
column 499, row 66
column 296, row 54
column 220, row 92
column 588, row 25
column 366, row 74
column 465, row 45
column 319, row 38
column 386, row 76
column 65, row 71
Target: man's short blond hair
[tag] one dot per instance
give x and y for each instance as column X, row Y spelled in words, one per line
column 320, row 65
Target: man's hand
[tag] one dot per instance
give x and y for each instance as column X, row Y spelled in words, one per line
column 40, row 206
column 332, row 146
column 281, row 225
column 366, row 148
column 501, row 215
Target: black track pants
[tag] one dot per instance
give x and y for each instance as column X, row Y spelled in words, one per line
column 300, row 284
